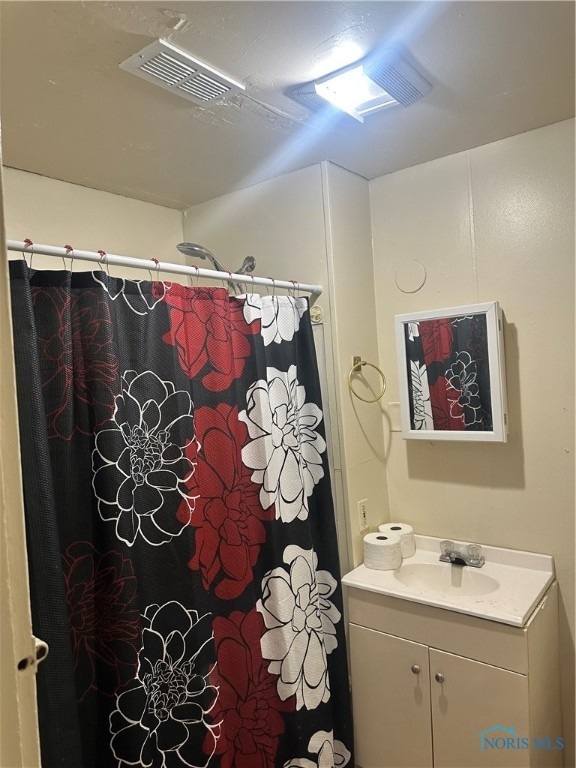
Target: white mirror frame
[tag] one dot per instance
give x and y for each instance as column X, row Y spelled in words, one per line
column 497, row 377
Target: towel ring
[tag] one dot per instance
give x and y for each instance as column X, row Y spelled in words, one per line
column 356, row 369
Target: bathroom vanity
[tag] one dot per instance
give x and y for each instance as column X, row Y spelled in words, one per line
column 454, row 667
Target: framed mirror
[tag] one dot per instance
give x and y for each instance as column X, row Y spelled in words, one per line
column 451, row 373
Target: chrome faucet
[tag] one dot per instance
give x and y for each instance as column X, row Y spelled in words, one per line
column 471, row 556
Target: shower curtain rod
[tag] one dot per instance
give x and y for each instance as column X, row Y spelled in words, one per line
column 113, row 260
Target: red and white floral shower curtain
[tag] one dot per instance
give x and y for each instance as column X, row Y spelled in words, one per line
column 181, row 533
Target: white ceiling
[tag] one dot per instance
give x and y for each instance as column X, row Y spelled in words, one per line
column 498, row 68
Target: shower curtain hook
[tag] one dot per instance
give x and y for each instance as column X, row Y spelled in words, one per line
column 190, row 277
column 292, row 291
column 29, row 244
column 69, row 250
column 104, row 260
column 156, row 262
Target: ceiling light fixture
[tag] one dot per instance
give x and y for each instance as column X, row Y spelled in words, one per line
column 351, row 90
column 380, row 80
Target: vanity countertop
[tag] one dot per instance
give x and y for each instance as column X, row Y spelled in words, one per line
column 505, row 589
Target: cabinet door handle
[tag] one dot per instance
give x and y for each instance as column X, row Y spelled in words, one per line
column 415, row 669
column 439, row 677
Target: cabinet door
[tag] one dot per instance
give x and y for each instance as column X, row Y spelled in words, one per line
column 391, row 701
column 470, row 699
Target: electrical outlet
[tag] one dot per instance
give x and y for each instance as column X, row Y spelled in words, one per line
column 363, row 514
column 394, row 414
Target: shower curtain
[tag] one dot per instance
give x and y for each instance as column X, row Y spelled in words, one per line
column 181, row 535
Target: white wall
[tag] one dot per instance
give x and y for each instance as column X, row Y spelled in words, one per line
column 279, row 222
column 353, row 299
column 57, row 213
column 494, row 223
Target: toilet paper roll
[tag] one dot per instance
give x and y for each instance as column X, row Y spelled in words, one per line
column 406, row 533
column 382, row 551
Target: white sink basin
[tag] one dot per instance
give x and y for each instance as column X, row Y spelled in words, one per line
column 506, row 588
column 445, row 579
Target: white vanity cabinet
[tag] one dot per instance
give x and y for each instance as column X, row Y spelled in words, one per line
column 427, row 682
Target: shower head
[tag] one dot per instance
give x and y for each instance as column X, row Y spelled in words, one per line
column 192, row 249
column 248, row 265
column 200, row 252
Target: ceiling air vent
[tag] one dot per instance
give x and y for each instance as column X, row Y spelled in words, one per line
column 175, row 70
